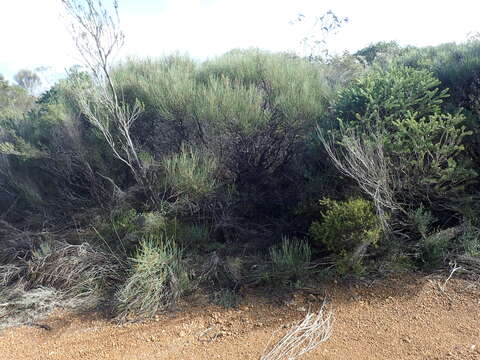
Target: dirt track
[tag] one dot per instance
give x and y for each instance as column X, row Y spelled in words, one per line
column 402, row 318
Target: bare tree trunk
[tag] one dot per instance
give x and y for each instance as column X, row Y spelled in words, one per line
column 98, row 37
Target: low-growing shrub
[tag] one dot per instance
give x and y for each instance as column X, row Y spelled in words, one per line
column 157, row 278
column 121, row 231
column 470, row 241
column 434, row 248
column 289, row 264
column 124, row 229
column 227, row 298
column 347, row 264
column 434, row 244
column 422, row 220
column 190, row 175
column 223, row 273
column 346, row 225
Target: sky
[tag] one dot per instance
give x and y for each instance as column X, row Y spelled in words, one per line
column 33, row 33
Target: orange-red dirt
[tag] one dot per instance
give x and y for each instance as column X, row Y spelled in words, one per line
column 408, row 317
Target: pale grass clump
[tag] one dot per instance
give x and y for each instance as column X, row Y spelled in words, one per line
column 314, row 329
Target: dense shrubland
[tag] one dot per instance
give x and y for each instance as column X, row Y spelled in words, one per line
column 251, row 168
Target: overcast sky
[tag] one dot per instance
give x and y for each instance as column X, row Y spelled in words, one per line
column 33, row 34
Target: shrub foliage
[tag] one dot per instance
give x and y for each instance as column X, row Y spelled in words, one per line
column 222, row 158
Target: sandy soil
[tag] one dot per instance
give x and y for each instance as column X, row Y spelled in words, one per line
column 406, row 317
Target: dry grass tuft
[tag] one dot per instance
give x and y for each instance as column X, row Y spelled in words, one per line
column 313, row 330
column 56, row 274
column 78, row 270
column 19, row 306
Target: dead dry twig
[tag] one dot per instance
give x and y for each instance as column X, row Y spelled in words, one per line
column 314, row 329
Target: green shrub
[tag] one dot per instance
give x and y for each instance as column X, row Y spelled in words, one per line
column 346, row 225
column 470, row 241
column 392, row 120
column 156, row 279
column 289, row 264
column 227, row 298
column 379, row 53
column 434, row 249
column 434, row 244
column 346, row 264
column 124, row 229
column 121, row 231
column 382, row 96
column 190, row 176
column 457, row 66
column 422, row 220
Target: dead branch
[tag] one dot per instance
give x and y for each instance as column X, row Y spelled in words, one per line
column 366, row 163
column 313, row 330
column 98, row 37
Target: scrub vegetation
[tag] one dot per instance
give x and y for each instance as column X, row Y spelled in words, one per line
column 128, row 185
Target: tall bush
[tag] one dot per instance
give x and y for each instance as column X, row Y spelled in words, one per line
column 396, row 114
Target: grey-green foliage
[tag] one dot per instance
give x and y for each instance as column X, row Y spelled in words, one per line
column 422, row 220
column 167, row 89
column 13, row 99
column 239, row 105
column 55, row 159
column 244, row 116
column 189, row 175
column 28, row 80
column 457, row 66
column 46, row 155
column 470, row 241
column 381, row 53
column 157, row 277
column 289, row 263
column 251, row 111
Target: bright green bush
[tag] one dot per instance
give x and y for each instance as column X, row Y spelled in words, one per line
column 382, row 96
column 157, row 278
column 397, row 110
column 346, row 225
column 457, row 66
column 427, row 151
